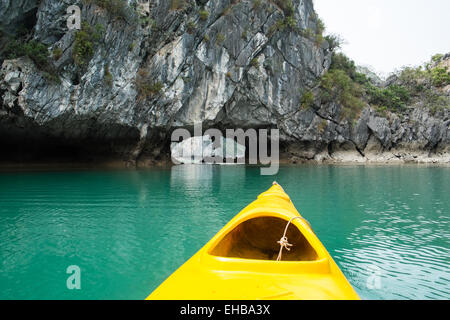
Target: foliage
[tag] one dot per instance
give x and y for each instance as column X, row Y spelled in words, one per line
column 338, row 85
column 382, row 111
column 146, row 87
column 436, row 102
column 286, row 5
column 322, row 126
column 440, row 76
column 334, row 41
column 220, row 38
column 308, row 33
column 352, row 89
column 319, row 38
column 226, row 11
column 340, row 61
column 394, row 97
column 307, row 100
column 320, row 26
column 254, row 63
column 116, row 8
column 204, row 14
column 51, row 76
column 257, row 4
column 36, row 51
column 147, row 21
column 85, row 40
column 270, row 10
column 191, row 26
column 437, row 57
column 416, row 78
column 83, row 48
column 57, row 53
column 289, row 21
column 108, row 76
column 413, row 78
column 423, row 84
column 177, row 4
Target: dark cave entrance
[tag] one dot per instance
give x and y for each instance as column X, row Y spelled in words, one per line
column 23, row 142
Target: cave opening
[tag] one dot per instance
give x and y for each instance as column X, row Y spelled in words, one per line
column 22, row 142
column 30, row 19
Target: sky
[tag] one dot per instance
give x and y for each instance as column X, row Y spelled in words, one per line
column 388, row 34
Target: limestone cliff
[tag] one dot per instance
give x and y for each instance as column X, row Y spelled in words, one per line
column 139, row 69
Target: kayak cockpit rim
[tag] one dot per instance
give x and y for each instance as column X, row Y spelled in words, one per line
column 236, row 245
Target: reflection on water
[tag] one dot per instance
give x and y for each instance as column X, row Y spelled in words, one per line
column 129, row 230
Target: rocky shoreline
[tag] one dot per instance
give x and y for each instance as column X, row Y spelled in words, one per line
column 387, row 158
column 341, row 158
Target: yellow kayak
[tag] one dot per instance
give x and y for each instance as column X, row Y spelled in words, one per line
column 268, row 251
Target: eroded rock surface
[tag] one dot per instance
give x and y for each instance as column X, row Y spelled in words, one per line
column 157, row 68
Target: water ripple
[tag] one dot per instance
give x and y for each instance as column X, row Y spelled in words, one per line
column 129, row 230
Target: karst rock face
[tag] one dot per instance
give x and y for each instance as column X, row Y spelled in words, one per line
column 161, row 65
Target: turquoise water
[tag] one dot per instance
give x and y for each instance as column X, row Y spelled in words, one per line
column 386, row 227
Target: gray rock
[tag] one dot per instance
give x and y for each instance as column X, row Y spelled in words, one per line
column 381, row 129
column 202, row 149
column 370, row 74
column 14, row 14
column 52, row 18
column 361, row 133
column 232, row 70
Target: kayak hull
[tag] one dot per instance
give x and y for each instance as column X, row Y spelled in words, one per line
column 239, row 263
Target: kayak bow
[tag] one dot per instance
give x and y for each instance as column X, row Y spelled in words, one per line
column 240, row 262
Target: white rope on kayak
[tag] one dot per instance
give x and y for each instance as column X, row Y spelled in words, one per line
column 284, row 243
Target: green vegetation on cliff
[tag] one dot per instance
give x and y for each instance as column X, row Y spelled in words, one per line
column 343, row 84
column 147, row 87
column 412, row 86
column 37, row 52
column 116, row 8
column 425, row 84
column 34, row 50
column 177, row 4
column 85, row 40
